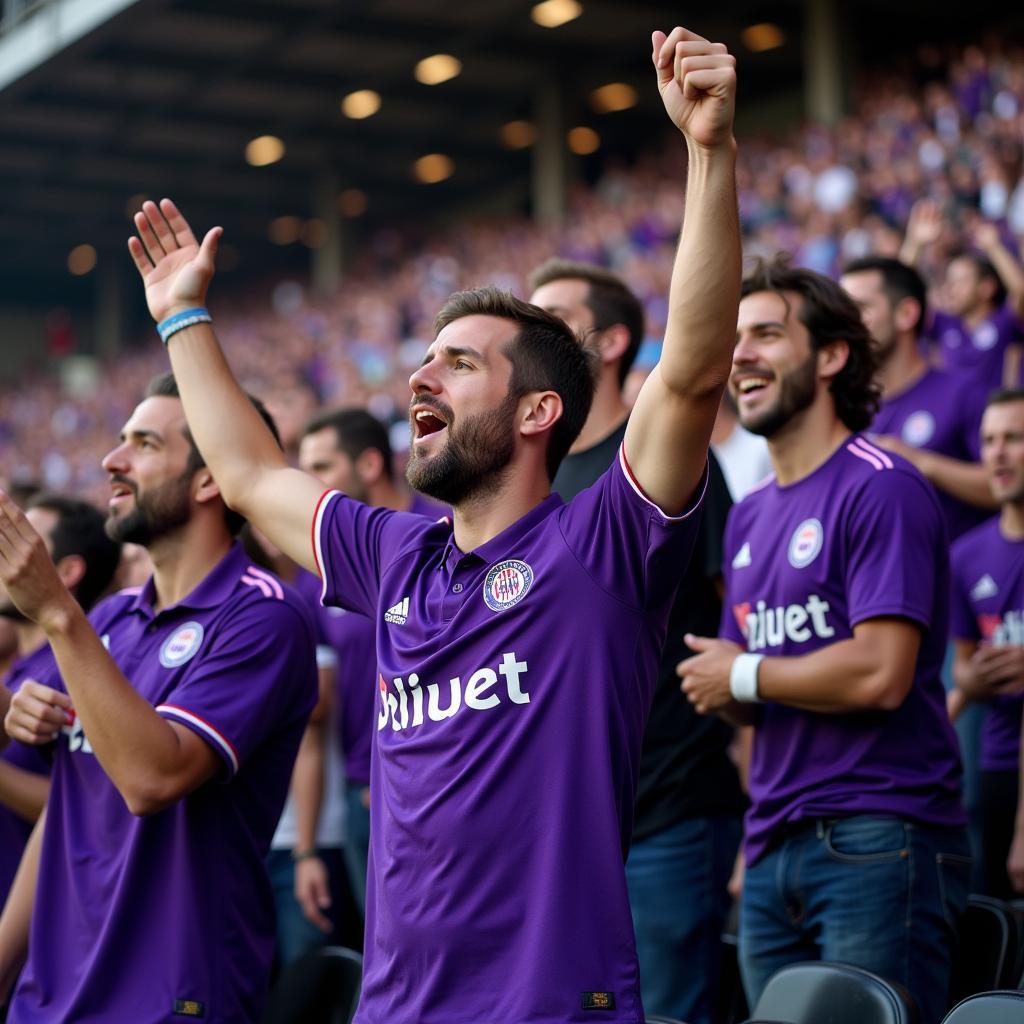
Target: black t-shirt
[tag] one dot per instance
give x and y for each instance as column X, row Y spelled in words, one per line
column 685, row 769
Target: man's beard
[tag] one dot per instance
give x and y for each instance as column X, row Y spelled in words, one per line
column 797, row 390
column 157, row 512
column 474, row 458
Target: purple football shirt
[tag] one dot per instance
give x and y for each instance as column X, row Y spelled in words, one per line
column 137, row 916
column 942, row 414
column 860, row 538
column 976, row 357
column 14, row 829
column 988, row 606
column 514, row 683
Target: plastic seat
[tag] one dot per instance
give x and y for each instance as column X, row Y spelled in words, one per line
column 986, row 957
column 988, row 1008
column 818, row 992
column 321, row 987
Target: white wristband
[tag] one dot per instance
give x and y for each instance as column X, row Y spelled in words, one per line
column 743, row 678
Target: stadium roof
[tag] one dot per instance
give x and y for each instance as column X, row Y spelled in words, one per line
column 159, row 97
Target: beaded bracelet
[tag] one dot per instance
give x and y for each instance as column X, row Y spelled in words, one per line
column 186, row 318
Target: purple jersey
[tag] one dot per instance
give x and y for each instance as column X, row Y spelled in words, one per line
column 860, row 538
column 942, row 414
column 40, row 667
column 977, row 356
column 144, row 919
column 514, row 682
column 988, row 607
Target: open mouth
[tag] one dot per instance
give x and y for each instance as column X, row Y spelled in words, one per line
column 427, row 423
column 120, row 492
column 752, row 383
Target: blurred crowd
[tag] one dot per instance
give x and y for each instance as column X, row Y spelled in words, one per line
column 826, row 195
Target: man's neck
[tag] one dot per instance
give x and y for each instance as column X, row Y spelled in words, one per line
column 903, row 368
column 1011, row 520
column 607, row 413
column 482, row 518
column 184, row 559
column 807, row 441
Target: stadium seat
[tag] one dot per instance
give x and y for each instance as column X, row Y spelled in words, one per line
column 986, row 958
column 817, row 991
column 321, row 987
column 657, row 1019
column 988, row 1008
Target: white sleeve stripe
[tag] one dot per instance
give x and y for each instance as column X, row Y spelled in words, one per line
column 318, row 550
column 639, row 490
column 204, row 727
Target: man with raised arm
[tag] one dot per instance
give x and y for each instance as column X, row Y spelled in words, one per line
column 516, row 652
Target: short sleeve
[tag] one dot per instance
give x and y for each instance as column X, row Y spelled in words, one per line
column 627, row 545
column 963, row 624
column 895, row 544
column 257, row 674
column 354, row 542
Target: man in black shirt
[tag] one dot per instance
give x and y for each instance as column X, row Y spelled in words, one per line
column 689, row 805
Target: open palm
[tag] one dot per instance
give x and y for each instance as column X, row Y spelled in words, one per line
column 175, row 269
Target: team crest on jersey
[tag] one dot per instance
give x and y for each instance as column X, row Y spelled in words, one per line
column 805, row 544
column 182, row 645
column 507, row 584
column 919, row 428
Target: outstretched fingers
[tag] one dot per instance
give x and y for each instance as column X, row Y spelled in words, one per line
column 177, row 224
column 161, row 229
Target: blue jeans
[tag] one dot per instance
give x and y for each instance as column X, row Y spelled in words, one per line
column 878, row 893
column 357, row 844
column 296, row 934
column 677, row 879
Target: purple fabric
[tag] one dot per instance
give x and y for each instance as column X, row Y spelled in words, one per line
column 861, row 537
column 941, row 414
column 514, row 685
column 988, row 607
column 976, row 357
column 133, row 914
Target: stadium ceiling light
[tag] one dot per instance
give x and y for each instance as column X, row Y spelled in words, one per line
column 518, row 135
column 552, row 13
column 81, row 260
column 612, row 97
column 583, row 141
column 353, row 202
column 763, row 36
column 264, row 150
column 437, row 69
column 433, row 167
column 284, row 230
column 361, row 103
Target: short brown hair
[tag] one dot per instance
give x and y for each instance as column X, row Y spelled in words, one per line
column 545, row 355
column 609, row 299
column 829, row 314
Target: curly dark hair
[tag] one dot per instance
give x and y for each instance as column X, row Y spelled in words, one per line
column 829, row 314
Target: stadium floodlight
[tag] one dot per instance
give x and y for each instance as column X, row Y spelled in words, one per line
column 552, row 13
column 81, row 260
column 613, row 97
column 583, row 141
column 441, row 67
column 353, row 202
column 361, row 103
column 264, row 150
column 433, row 167
column 763, row 36
column 518, row 135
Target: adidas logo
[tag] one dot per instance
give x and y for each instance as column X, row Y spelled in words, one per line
column 985, row 587
column 399, row 613
column 742, row 559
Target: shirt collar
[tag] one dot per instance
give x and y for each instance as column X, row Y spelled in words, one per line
column 213, row 589
column 499, row 546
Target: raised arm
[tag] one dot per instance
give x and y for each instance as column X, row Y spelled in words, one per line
column 924, row 228
column 249, row 467
column 1011, row 273
column 670, row 427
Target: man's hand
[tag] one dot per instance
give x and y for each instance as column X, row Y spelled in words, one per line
column 697, row 81
column 986, row 236
column 999, row 669
column 37, row 714
column 925, row 224
column 705, row 676
column 313, row 891
column 175, row 269
column 27, row 571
